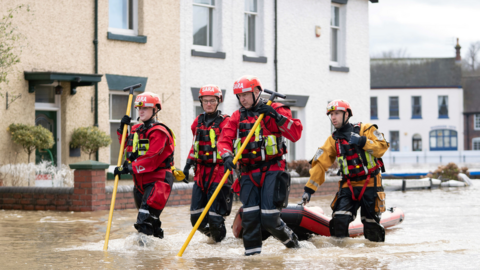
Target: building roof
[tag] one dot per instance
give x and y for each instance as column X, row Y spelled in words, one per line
column 471, row 94
column 415, row 73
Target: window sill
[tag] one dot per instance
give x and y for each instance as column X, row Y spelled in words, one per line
column 444, row 149
column 416, row 117
column 137, row 39
column 219, row 55
column 259, row 59
column 443, row 117
column 339, row 69
column 374, row 118
column 394, row 117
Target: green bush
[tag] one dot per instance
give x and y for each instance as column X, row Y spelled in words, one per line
column 448, row 172
column 89, row 139
column 31, row 137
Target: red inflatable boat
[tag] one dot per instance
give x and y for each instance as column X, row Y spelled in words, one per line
column 309, row 221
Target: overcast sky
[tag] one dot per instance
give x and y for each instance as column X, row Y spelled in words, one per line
column 425, row 28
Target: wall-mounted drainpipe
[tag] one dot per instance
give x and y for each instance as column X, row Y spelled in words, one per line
column 275, row 49
column 95, row 45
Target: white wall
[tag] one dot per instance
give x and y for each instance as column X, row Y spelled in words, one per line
column 303, row 63
column 407, row 126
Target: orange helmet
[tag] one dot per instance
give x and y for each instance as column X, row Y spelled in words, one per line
column 246, row 84
column 339, row 105
column 149, row 100
column 211, row 90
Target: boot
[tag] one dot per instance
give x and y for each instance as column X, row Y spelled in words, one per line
column 293, row 243
column 218, row 232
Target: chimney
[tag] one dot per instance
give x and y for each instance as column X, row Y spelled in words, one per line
column 458, row 58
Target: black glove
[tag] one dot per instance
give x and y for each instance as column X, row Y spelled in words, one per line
column 306, row 198
column 186, row 171
column 228, row 163
column 125, row 121
column 357, row 139
column 270, row 111
column 126, row 168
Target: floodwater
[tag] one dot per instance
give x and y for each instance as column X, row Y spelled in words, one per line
column 440, row 231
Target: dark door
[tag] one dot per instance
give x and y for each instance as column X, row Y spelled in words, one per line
column 48, row 120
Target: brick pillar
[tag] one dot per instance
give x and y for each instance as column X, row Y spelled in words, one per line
column 89, row 185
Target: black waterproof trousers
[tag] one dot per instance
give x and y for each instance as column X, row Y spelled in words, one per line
column 345, row 211
column 148, row 218
column 213, row 225
column 259, row 211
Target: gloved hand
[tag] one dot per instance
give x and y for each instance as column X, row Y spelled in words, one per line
column 228, row 163
column 270, row 111
column 306, row 198
column 125, row 121
column 186, row 170
column 126, row 168
column 357, row 140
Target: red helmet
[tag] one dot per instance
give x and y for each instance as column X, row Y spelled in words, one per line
column 211, row 90
column 246, row 84
column 149, row 100
column 339, row 105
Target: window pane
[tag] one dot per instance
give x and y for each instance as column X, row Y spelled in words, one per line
column 440, row 142
column 416, row 106
column 447, row 132
column 335, row 19
column 454, row 141
column 251, row 5
column 476, row 121
column 115, row 146
column 454, row 133
column 210, row 26
column 394, row 140
column 394, row 107
column 118, row 14
column 251, row 32
column 334, row 45
column 119, row 107
column 443, row 105
column 439, row 133
column 433, row 142
column 198, row 110
column 44, row 94
column 373, row 107
column 446, row 141
column 200, row 25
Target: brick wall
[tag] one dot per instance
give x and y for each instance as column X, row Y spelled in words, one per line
column 90, row 194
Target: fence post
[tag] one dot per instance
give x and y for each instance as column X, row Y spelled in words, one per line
column 440, row 158
column 404, row 185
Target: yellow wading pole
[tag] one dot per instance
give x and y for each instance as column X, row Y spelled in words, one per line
column 122, row 144
column 273, row 95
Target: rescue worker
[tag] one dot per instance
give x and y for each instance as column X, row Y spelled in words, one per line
column 209, row 169
column 358, row 149
column 149, row 157
column 262, row 165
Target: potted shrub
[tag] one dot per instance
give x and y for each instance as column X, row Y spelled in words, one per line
column 31, row 137
column 89, row 139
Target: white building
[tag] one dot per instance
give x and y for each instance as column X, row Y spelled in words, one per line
column 418, row 104
column 320, row 47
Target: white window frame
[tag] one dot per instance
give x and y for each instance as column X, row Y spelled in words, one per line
column 133, row 113
column 258, row 22
column 128, row 32
column 475, row 140
column 340, row 36
column 212, row 47
column 476, row 117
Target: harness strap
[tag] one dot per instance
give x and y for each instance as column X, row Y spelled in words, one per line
column 213, row 174
column 363, row 189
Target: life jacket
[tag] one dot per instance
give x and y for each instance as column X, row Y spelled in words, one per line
column 355, row 163
column 264, row 145
column 205, row 141
column 139, row 143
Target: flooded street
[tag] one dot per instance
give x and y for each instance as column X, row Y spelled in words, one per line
column 440, row 231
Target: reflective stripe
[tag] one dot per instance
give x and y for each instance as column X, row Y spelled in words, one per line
column 342, row 213
column 143, row 211
column 154, row 217
column 290, row 124
column 253, row 208
column 246, row 89
column 213, row 214
column 311, row 182
column 193, row 212
column 192, row 155
column 340, row 108
column 281, row 129
column 253, row 250
column 272, row 211
column 371, row 220
column 286, row 242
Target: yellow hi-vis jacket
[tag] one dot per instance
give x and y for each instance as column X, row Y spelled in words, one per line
column 376, row 145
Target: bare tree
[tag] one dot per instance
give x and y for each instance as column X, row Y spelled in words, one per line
column 473, row 55
column 393, row 53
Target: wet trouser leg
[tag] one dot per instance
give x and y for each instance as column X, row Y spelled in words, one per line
column 148, row 218
column 372, row 228
column 270, row 214
column 216, row 222
column 251, row 222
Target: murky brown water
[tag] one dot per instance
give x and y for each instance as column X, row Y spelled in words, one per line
column 440, row 231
